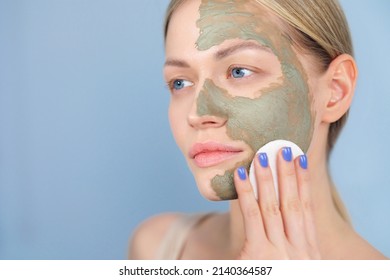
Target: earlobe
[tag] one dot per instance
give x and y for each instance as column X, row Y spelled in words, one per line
column 342, row 76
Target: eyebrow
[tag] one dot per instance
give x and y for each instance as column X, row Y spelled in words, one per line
column 239, row 47
column 221, row 54
column 176, row 63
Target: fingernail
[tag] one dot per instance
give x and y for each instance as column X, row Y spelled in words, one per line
column 263, row 159
column 241, row 173
column 303, row 161
column 287, row 154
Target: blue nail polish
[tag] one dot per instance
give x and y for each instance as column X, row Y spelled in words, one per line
column 303, row 161
column 287, row 154
column 263, row 159
column 241, row 173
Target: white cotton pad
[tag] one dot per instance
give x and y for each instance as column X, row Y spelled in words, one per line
column 271, row 149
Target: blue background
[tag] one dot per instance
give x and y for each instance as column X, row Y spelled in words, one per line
column 86, row 151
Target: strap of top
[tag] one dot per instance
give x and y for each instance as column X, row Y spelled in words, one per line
column 173, row 243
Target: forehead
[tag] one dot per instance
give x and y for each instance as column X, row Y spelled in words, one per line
column 209, row 23
column 233, row 19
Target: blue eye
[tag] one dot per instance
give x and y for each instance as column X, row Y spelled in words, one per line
column 180, row 84
column 238, row 72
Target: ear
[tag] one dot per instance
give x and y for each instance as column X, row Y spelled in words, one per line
column 341, row 76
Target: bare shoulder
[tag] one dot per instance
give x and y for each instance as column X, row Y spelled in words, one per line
column 365, row 251
column 355, row 247
column 148, row 236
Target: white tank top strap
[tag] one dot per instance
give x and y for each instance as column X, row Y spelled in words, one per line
column 172, row 245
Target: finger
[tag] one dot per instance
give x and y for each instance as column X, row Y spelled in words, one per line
column 303, row 179
column 290, row 203
column 254, row 229
column 268, row 201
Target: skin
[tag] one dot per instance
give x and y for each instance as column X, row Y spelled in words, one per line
column 278, row 110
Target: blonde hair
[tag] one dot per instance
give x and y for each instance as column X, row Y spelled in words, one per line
column 318, row 27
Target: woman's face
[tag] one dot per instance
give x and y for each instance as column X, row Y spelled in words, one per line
column 236, row 84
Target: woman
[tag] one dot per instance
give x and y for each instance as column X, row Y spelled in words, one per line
column 242, row 74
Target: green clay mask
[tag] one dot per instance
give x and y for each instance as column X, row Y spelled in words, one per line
column 279, row 111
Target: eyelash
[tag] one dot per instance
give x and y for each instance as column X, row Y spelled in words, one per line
column 171, row 84
column 230, row 72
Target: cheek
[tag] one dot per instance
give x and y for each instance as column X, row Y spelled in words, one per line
column 320, row 99
column 259, row 121
column 178, row 114
column 279, row 114
column 175, row 121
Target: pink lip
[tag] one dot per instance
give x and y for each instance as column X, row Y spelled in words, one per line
column 212, row 153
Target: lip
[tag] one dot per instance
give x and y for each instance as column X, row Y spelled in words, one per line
column 212, row 153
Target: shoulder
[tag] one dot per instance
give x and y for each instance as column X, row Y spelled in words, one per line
column 361, row 249
column 148, row 236
column 352, row 246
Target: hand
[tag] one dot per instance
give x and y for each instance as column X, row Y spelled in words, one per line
column 272, row 231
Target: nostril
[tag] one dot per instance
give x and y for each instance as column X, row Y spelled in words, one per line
column 209, row 124
column 218, row 122
column 200, row 122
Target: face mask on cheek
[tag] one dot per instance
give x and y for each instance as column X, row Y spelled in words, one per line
column 280, row 112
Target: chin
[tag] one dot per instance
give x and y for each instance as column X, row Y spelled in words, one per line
column 217, row 187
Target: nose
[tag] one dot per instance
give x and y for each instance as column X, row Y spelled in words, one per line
column 198, row 121
column 208, row 108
